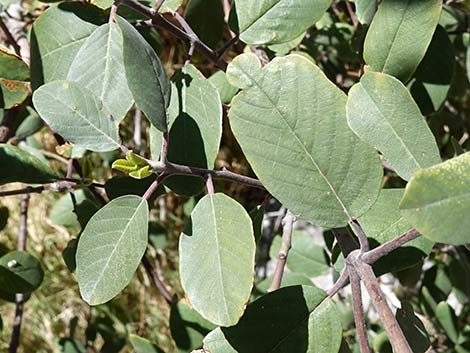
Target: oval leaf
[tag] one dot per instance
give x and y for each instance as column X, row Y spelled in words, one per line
column 53, row 48
column 195, row 118
column 75, row 113
column 437, row 200
column 20, row 272
column 111, row 247
column 141, row 345
column 146, row 78
column 17, row 165
column 399, row 35
column 290, row 121
column 275, row 21
column 99, row 67
column 305, row 321
column 381, row 111
column 14, row 74
column 217, row 252
column 384, row 222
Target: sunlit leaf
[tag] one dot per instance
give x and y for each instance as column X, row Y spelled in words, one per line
column 382, row 112
column 217, row 251
column 14, row 77
column 111, row 247
column 285, row 119
column 437, row 200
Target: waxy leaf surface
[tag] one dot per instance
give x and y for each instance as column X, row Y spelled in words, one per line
column 145, row 75
column 111, row 247
column 290, row 121
column 291, row 319
column 275, row 21
column 99, row 67
column 76, row 114
column 437, row 201
column 382, row 112
column 400, row 34
column 217, row 252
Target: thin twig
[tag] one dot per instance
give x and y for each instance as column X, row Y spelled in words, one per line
column 287, row 226
column 164, row 150
column 10, row 38
column 160, row 21
column 19, row 297
column 154, row 186
column 351, row 13
column 375, row 254
column 113, row 11
column 358, row 310
column 192, row 36
column 361, row 235
column 340, row 283
column 158, row 283
column 395, row 334
column 158, row 5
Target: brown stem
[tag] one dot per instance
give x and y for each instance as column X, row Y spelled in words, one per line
column 358, row 310
column 363, row 242
column 394, row 332
column 19, row 298
column 340, row 283
column 158, row 5
column 154, row 186
column 160, row 21
column 158, row 283
column 9, row 37
column 287, row 225
column 164, row 151
column 373, row 255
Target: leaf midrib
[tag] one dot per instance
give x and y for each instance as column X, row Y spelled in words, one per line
column 84, row 118
column 211, row 197
column 299, row 141
column 100, row 277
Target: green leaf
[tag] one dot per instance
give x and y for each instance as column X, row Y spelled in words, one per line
column 434, row 74
column 381, row 111
column 53, row 49
column 365, row 10
column 275, row 21
column 111, row 247
column 14, row 77
column 119, row 186
column 17, row 165
column 75, row 113
column 170, row 6
column 217, row 251
column 141, row 345
column 288, row 279
column 124, row 165
column 284, row 48
column 62, row 211
column 304, row 256
column 99, row 67
column 197, row 14
column 399, row 36
column 145, row 75
column 69, row 345
column 413, row 328
column 290, row 118
column 291, row 319
column 384, row 222
column 20, row 272
column 226, row 90
column 30, row 125
column 141, row 173
column 195, row 122
column 446, row 318
column 188, row 328
column 437, row 200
